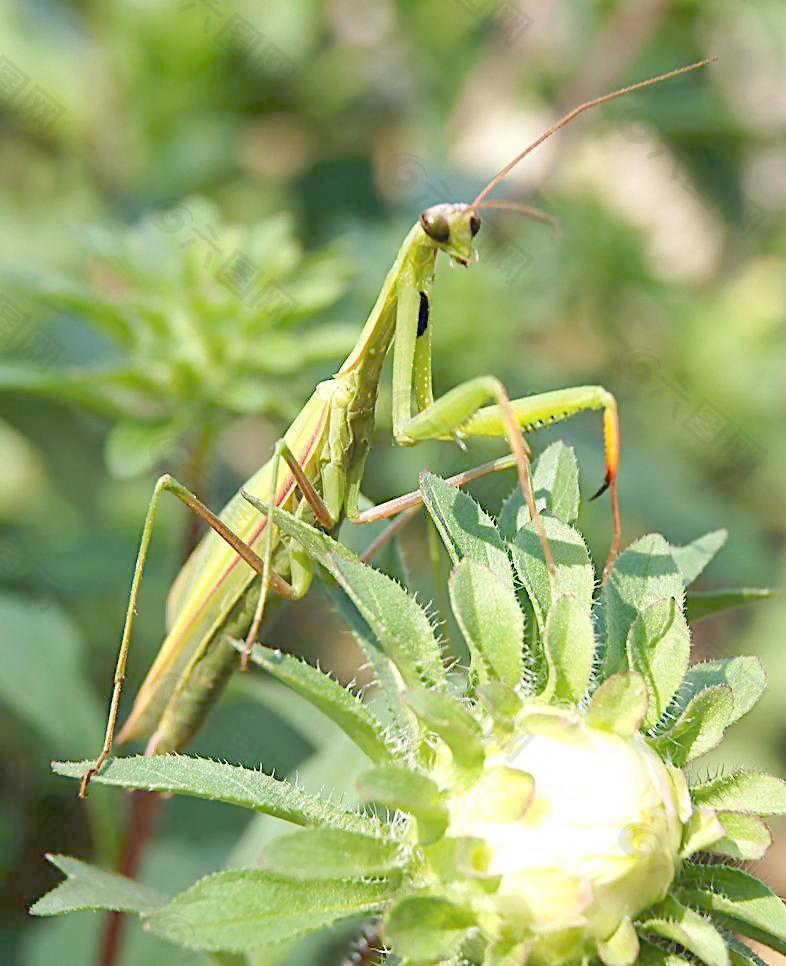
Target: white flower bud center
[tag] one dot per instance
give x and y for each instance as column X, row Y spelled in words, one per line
column 599, row 840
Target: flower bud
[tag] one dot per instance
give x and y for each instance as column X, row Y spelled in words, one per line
column 592, row 839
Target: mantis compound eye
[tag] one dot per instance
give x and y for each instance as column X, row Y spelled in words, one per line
column 474, row 223
column 435, row 225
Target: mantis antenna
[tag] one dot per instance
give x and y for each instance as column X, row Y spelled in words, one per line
column 479, row 203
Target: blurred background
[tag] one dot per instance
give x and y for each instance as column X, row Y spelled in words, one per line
column 200, row 200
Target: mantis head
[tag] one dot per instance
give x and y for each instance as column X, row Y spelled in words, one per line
column 452, row 227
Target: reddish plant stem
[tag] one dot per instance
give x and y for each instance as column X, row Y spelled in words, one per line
column 143, row 819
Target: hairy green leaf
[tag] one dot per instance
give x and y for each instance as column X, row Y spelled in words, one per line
column 443, row 715
column 746, row 837
column 575, row 576
column 87, row 887
column 619, row 704
column 699, row 728
column 348, row 711
column 658, row 647
column 408, row 791
column 219, row 782
column 555, row 479
column 390, row 686
column 752, row 792
column 694, row 556
column 744, row 675
column 738, row 898
column 328, row 853
column 643, row 574
column 703, row 830
column 622, row 947
column 465, row 528
column 425, row 929
column 701, row 604
column 242, row 909
column 488, row 613
column 742, row 955
column 673, row 921
column 569, row 645
column 399, row 623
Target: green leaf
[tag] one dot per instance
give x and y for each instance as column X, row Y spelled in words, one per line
column 218, row 782
column 488, row 613
column 328, row 853
column 133, row 447
column 575, row 576
column 409, row 791
column 652, row 955
column 339, row 704
column 501, row 701
column 673, row 921
column 465, row 528
column 113, row 392
column 642, row 575
column 619, row 704
column 242, row 909
column 658, row 647
column 399, row 623
column 744, row 675
column 751, row 792
column 737, row 898
column 44, row 680
column 555, row 481
column 443, row 715
column 702, row 831
column 746, row 837
column 569, row 645
column 315, row 542
column 55, row 290
column 699, row 728
column 701, row 604
column 742, row 955
column 694, row 556
column 87, row 887
column 404, row 727
column 621, row 948
column 426, row 929
column 462, row 857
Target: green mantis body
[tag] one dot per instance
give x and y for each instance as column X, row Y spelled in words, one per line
column 316, row 473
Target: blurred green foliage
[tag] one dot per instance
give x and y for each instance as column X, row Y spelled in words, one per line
column 309, row 133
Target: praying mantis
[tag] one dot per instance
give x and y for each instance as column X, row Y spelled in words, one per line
column 316, row 472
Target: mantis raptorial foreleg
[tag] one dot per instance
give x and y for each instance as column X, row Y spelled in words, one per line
column 448, row 414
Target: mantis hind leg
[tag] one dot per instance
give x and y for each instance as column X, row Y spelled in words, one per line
column 302, row 569
column 532, row 412
column 165, row 484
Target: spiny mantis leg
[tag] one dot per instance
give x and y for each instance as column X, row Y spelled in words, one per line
column 448, row 415
column 166, row 484
column 408, row 505
column 322, row 513
column 532, row 412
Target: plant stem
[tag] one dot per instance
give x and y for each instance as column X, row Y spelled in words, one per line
column 143, row 819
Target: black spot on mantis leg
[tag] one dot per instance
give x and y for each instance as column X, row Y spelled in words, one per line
column 423, row 314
